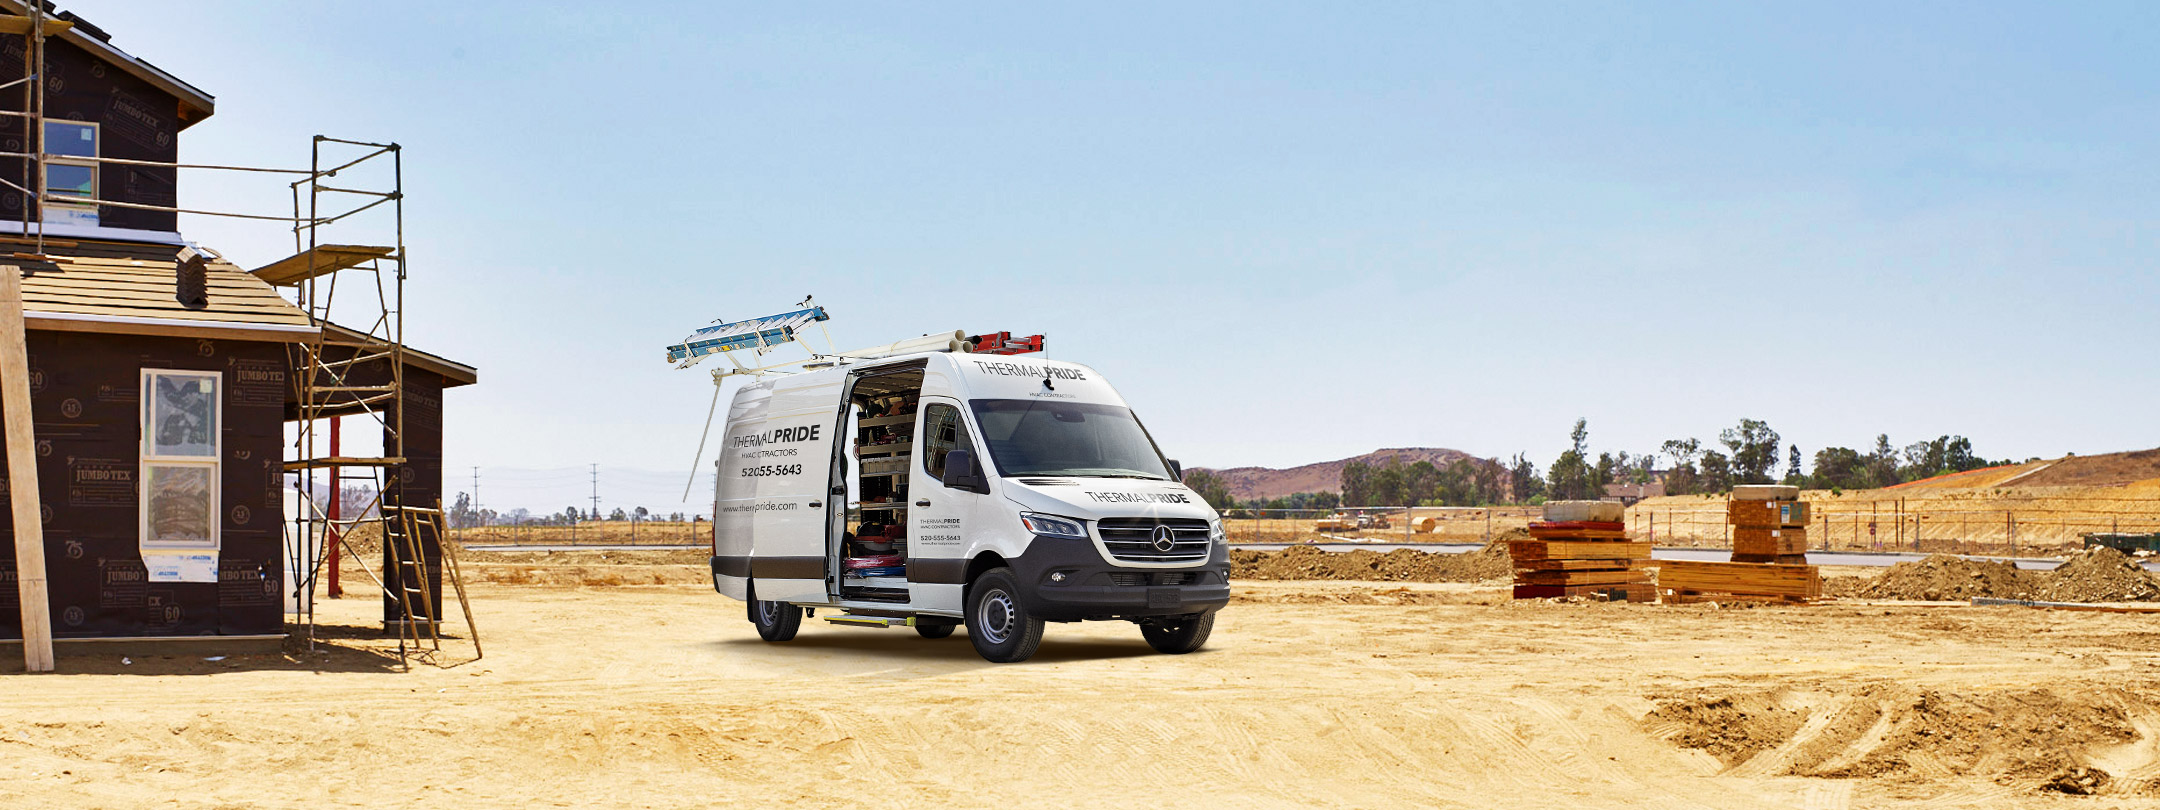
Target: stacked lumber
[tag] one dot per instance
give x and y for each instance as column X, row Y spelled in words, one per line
column 1769, row 558
column 1581, row 549
column 1687, row 581
column 1770, row 530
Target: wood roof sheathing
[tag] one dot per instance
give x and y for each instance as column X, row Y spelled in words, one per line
column 136, row 296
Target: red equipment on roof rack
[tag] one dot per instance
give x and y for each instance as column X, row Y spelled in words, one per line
column 1005, row 343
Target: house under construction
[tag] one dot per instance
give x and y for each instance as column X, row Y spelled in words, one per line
column 178, row 399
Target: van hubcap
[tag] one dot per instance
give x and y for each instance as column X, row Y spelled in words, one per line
column 768, row 613
column 995, row 618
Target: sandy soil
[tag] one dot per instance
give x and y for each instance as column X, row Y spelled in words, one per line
column 1312, row 694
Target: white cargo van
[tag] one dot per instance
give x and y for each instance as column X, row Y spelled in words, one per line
column 935, row 489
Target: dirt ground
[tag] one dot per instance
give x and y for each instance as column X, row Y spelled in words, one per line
column 1312, row 694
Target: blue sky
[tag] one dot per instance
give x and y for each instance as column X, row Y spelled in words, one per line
column 1287, row 232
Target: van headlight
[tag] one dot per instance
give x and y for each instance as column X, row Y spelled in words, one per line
column 1053, row 526
column 1216, row 534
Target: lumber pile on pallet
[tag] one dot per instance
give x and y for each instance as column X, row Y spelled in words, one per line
column 1768, row 531
column 1581, row 549
column 1689, row 581
column 1769, row 558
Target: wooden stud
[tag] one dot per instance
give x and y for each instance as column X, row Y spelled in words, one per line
column 22, row 476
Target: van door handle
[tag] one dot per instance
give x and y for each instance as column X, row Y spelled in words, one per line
column 923, row 502
column 817, row 504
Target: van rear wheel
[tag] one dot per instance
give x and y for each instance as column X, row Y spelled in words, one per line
column 1178, row 635
column 776, row 621
column 999, row 626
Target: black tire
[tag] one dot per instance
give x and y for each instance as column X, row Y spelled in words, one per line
column 998, row 623
column 1178, row 635
column 776, row 621
column 933, row 629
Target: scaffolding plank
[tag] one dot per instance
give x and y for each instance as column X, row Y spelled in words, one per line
column 18, row 26
column 322, row 260
column 343, row 461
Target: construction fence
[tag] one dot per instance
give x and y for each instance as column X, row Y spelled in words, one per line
column 589, row 533
column 1892, row 525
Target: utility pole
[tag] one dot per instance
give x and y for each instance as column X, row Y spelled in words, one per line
column 476, row 497
column 595, row 492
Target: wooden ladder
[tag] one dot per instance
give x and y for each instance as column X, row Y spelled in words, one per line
column 412, row 521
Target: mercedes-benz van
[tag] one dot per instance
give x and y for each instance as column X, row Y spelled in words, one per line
column 945, row 488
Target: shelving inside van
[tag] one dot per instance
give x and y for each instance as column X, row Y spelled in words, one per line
column 874, row 548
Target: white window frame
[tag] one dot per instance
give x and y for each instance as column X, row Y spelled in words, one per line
column 149, row 457
column 80, row 213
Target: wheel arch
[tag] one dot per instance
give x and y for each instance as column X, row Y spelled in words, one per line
column 981, row 563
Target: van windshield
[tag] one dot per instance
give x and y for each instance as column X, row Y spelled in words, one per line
column 1029, row 437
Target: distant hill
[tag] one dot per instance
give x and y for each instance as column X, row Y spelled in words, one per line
column 2107, row 470
column 1326, row 476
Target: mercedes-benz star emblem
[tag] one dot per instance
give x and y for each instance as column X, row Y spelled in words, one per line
column 1165, row 539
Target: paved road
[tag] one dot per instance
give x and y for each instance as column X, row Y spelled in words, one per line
column 1882, row 559
column 594, row 547
column 1865, row 558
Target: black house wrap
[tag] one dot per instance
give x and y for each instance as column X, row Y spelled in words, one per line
column 85, row 397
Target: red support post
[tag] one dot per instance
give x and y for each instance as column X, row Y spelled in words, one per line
column 337, row 495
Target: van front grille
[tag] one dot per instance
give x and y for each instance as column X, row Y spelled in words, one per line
column 1134, row 539
column 1133, row 580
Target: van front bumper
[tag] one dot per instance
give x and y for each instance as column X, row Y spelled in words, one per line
column 1068, row 581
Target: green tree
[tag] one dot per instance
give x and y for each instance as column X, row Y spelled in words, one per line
column 1683, row 478
column 1754, row 449
column 1356, row 484
column 1569, row 478
column 1840, row 468
column 1717, row 474
column 1792, row 471
column 1524, row 482
column 1211, row 488
column 1420, row 483
column 1882, row 465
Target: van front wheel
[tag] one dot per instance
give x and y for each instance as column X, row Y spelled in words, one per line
column 1178, row 635
column 776, row 621
column 999, row 626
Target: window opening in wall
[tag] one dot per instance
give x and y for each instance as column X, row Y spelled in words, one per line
column 179, row 497
column 71, row 173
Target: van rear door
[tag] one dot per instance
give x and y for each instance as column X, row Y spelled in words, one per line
column 790, row 462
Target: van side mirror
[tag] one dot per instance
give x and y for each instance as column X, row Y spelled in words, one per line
column 962, row 471
column 1177, row 471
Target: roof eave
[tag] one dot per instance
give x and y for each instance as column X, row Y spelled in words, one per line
column 35, row 320
column 201, row 105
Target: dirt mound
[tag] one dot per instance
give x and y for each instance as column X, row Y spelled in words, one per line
column 1733, row 728
column 2094, row 575
column 2108, row 470
column 2100, row 575
column 1401, row 565
column 1942, row 577
column 1846, row 587
column 2038, row 739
